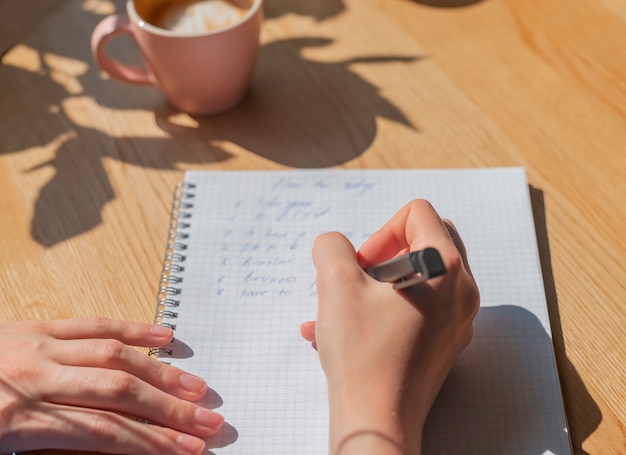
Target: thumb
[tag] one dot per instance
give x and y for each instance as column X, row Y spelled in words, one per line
column 332, row 251
column 329, row 251
column 336, row 264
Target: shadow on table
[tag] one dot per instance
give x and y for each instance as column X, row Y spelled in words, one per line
column 329, row 123
column 577, row 399
column 286, row 120
column 583, row 413
column 320, row 10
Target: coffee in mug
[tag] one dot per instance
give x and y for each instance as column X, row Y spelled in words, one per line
column 194, row 16
column 200, row 53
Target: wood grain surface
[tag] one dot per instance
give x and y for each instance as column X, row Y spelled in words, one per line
column 87, row 164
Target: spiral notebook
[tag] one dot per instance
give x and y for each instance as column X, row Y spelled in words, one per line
column 238, row 280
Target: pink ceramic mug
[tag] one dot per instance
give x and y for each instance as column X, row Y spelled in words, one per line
column 199, row 73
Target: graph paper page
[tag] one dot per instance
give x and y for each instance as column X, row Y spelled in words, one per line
column 249, row 282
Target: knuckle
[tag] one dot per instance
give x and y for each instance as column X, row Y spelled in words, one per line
column 162, row 440
column 31, row 345
column 165, row 374
column 19, row 373
column 118, row 385
column 113, row 350
column 182, row 412
column 107, row 430
column 26, row 346
column 453, row 261
column 100, row 323
column 178, row 412
column 103, row 427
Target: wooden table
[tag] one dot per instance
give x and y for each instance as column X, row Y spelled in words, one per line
column 87, row 165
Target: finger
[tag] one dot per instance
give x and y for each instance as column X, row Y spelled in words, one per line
column 64, row 427
column 307, row 330
column 416, row 226
column 113, row 354
column 119, row 391
column 458, row 242
column 133, row 333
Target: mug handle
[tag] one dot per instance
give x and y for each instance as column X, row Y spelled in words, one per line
column 109, row 28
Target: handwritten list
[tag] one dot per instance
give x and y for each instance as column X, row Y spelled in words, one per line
column 248, row 282
column 266, row 235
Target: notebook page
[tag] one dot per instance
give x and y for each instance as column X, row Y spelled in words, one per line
column 248, row 283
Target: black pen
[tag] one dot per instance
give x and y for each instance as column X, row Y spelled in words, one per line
column 409, row 269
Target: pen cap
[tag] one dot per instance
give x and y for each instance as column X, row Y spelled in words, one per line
column 432, row 260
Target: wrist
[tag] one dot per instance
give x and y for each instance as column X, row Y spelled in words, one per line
column 373, row 420
column 368, row 442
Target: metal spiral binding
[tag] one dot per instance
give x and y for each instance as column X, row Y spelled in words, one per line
column 173, row 263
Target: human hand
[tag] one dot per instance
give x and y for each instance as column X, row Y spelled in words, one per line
column 386, row 353
column 79, row 385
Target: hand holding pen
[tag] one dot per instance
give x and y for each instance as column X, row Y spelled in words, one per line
column 386, row 352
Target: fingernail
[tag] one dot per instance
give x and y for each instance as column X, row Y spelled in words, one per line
column 192, row 383
column 189, row 443
column 209, row 419
column 160, row 331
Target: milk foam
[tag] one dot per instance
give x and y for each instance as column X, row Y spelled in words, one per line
column 201, row 16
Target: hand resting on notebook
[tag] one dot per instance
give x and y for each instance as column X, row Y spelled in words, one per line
column 70, row 384
column 386, row 353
